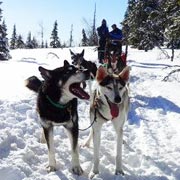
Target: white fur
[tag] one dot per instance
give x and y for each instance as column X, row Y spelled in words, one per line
column 118, row 123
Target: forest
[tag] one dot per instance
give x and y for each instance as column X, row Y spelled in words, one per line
column 147, row 24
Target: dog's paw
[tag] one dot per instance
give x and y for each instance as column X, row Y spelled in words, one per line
column 92, row 174
column 119, row 172
column 42, row 141
column 85, row 144
column 50, row 169
column 77, row 170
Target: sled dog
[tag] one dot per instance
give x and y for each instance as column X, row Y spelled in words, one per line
column 57, row 105
column 116, row 61
column 110, row 102
column 79, row 61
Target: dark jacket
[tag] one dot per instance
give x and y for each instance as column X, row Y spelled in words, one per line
column 103, row 32
column 116, row 34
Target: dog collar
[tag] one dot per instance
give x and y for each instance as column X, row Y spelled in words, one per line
column 57, row 105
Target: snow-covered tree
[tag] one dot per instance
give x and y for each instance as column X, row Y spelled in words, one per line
column 172, row 29
column 42, row 34
column 152, row 29
column 141, row 17
column 4, row 47
column 151, row 22
column 131, row 20
column 84, row 40
column 34, row 42
column 55, row 42
column 71, row 36
column 13, row 41
column 172, row 23
column 29, row 44
column 46, row 44
column 20, row 43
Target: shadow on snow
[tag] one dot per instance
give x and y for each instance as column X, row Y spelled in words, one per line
column 153, row 103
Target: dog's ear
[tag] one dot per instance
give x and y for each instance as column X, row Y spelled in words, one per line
column 82, row 53
column 124, row 74
column 66, row 63
column 101, row 73
column 44, row 73
column 71, row 52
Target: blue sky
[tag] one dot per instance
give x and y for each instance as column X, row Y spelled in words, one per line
column 28, row 15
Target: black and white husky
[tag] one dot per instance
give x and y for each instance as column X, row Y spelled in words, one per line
column 57, row 105
column 110, row 102
column 79, row 61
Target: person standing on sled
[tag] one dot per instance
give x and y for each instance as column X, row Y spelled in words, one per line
column 116, row 40
column 114, row 49
column 103, row 33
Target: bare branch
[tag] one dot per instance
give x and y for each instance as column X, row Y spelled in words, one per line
column 54, row 54
column 166, row 78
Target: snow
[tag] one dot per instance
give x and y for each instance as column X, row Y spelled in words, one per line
column 152, row 133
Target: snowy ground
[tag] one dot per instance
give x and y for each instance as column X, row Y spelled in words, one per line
column 152, row 133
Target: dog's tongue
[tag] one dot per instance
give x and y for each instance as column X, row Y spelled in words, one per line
column 114, row 109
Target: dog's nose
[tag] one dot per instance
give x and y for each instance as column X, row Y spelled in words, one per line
column 117, row 99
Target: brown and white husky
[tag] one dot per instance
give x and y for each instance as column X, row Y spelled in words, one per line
column 110, row 102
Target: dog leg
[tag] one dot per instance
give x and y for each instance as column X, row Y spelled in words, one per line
column 90, row 87
column 73, row 136
column 42, row 138
column 96, row 143
column 48, row 133
column 119, row 132
column 88, row 140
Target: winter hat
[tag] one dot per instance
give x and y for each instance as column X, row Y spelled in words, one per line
column 114, row 26
column 103, row 21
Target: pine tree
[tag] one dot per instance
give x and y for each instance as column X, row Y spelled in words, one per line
column 132, row 22
column 143, row 18
column 172, row 28
column 71, row 37
column 34, row 43
column 13, row 42
column 64, row 45
column 84, row 40
column 42, row 35
column 55, row 43
column 46, row 44
column 152, row 29
column 29, row 43
column 152, row 23
column 4, row 48
column 20, row 43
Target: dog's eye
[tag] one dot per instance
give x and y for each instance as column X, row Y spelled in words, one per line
column 109, row 87
column 120, row 88
column 70, row 68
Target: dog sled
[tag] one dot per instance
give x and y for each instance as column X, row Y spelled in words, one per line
column 113, row 54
